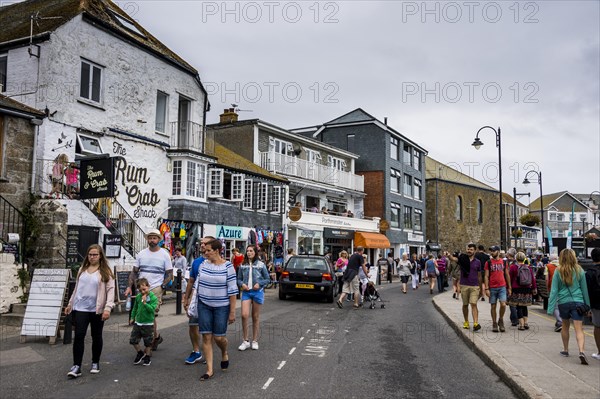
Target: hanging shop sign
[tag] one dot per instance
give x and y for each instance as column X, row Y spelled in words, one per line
column 97, row 178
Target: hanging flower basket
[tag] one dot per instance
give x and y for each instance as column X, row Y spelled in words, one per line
column 530, row 220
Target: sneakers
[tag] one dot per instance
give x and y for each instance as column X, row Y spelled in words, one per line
column 596, row 356
column 74, row 372
column 583, row 359
column 495, row 328
column 255, row 345
column 95, row 368
column 558, row 328
column 138, row 357
column 156, row 342
column 501, row 326
column 454, row 295
column 476, row 327
column 564, row 353
column 466, row 325
column 245, row 345
column 193, row 358
column 147, row 360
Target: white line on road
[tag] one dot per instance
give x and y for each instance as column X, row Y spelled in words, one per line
column 292, row 350
column 269, row 381
column 281, row 365
column 307, row 331
column 300, row 340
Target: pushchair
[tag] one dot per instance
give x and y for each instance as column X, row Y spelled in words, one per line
column 372, row 296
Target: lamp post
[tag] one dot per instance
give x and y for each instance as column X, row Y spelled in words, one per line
column 477, row 143
column 526, row 181
column 515, row 209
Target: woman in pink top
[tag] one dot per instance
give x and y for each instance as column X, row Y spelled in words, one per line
column 522, row 295
column 340, row 268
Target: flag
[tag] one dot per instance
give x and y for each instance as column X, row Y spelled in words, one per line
column 570, row 233
column 549, row 236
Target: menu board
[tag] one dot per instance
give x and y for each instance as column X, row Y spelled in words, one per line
column 97, row 178
column 73, row 256
column 112, row 245
column 122, row 284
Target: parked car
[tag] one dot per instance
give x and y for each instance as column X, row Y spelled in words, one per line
column 308, row 275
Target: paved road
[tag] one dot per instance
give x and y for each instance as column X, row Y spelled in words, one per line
column 308, row 349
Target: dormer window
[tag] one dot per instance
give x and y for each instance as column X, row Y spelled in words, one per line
column 127, row 24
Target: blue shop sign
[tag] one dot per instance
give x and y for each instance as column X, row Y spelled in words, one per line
column 229, row 232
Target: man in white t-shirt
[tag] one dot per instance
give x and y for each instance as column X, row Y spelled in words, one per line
column 154, row 264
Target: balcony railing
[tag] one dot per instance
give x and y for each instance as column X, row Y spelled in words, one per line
column 291, row 166
column 187, row 136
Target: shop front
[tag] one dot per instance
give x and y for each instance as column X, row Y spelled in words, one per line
column 337, row 240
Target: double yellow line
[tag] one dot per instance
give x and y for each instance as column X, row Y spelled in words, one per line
column 552, row 319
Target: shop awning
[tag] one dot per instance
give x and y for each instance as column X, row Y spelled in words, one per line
column 370, row 240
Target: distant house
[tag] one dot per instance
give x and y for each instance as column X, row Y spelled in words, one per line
column 393, row 168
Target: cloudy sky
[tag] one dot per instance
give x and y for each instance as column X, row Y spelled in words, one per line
column 438, row 70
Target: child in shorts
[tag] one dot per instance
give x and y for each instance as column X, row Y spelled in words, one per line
column 142, row 318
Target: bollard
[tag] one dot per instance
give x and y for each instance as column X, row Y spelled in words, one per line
column 178, row 292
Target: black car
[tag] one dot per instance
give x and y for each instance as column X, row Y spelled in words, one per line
column 308, row 275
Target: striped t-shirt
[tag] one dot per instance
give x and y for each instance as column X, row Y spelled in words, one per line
column 216, row 283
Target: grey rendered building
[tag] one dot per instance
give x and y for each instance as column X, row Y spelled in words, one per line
column 393, row 167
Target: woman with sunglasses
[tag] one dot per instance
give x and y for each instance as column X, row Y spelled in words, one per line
column 217, row 291
column 91, row 303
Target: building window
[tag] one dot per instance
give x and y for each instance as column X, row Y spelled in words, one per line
column 237, row 187
column 480, row 211
column 418, row 223
column 263, row 198
column 247, row 204
column 313, row 156
column 395, row 218
column 215, row 178
column 177, row 177
column 408, row 224
column 407, row 158
column 196, row 180
column 162, row 100
column 408, row 187
column 418, row 195
column 276, row 199
column 552, row 216
column 458, row 212
column 87, row 145
column 416, row 159
column 350, row 144
column 336, row 163
column 395, row 180
column 394, row 148
column 3, row 71
column 279, row 146
column 91, row 81
column 560, row 217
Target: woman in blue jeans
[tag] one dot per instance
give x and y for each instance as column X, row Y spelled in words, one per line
column 217, row 290
column 569, row 290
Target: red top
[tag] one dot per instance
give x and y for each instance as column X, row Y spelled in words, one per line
column 237, row 261
column 496, row 269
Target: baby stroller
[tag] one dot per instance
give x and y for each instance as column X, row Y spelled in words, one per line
column 372, row 296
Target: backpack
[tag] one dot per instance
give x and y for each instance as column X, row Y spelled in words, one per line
column 524, row 276
column 593, row 279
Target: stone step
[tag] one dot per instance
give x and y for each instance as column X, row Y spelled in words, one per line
column 18, row 308
column 11, row 319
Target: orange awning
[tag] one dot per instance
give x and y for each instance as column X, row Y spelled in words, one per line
column 370, row 240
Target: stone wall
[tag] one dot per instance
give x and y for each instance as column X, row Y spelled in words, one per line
column 9, row 282
column 455, row 234
column 51, row 246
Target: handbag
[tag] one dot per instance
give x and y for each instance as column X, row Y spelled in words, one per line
column 583, row 308
column 192, row 310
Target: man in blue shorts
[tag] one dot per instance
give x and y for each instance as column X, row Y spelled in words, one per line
column 497, row 284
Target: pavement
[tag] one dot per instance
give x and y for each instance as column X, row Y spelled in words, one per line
column 528, row 361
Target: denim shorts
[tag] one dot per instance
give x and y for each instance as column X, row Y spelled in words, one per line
column 497, row 295
column 569, row 311
column 257, row 296
column 213, row 320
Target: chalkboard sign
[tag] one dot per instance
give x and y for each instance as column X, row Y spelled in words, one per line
column 97, row 178
column 45, row 301
column 112, row 245
column 74, row 258
column 122, row 284
column 8, row 248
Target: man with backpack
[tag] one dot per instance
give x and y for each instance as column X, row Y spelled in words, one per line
column 497, row 284
column 592, row 277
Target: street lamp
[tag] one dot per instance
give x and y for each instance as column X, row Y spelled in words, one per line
column 515, row 194
column 477, row 143
column 526, row 181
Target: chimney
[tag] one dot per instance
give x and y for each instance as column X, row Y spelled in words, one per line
column 385, row 120
column 228, row 116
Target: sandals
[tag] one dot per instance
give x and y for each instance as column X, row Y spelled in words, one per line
column 205, row 377
column 225, row 363
column 355, row 307
column 340, row 305
column 526, row 326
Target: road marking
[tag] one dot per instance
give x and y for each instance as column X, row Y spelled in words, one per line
column 307, row 331
column 300, row 340
column 292, row 350
column 281, row 365
column 269, row 381
column 552, row 319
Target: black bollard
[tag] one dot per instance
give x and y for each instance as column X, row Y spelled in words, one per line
column 178, row 292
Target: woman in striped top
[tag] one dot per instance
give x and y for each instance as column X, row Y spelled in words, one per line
column 217, row 290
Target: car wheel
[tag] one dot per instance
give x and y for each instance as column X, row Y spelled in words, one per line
column 282, row 295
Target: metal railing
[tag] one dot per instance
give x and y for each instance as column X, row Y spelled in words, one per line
column 293, row 166
column 12, row 221
column 187, row 136
column 112, row 214
column 56, row 179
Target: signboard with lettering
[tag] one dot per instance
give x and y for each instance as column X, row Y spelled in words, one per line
column 122, row 278
column 112, row 245
column 97, row 178
column 338, row 233
column 45, row 302
column 74, row 258
column 229, row 232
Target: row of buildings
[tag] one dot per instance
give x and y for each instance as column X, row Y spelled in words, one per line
column 84, row 85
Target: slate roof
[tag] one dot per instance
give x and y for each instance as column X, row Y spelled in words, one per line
column 549, row 200
column 15, row 23
column 437, row 170
column 13, row 105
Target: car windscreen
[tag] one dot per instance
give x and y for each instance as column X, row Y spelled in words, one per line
column 308, row 264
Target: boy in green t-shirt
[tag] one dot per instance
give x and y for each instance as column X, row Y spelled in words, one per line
column 142, row 318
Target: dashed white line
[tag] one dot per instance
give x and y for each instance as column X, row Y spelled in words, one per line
column 292, row 350
column 281, row 365
column 269, row 381
column 300, row 340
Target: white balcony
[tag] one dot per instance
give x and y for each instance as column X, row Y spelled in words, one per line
column 292, row 166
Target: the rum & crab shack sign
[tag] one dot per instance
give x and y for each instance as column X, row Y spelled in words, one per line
column 97, row 178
